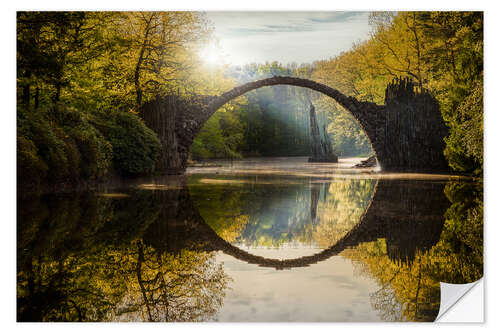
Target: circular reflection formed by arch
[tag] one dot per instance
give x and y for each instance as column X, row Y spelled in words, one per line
column 407, row 214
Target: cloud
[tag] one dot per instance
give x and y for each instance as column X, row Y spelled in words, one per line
column 272, row 28
column 287, row 36
column 335, row 17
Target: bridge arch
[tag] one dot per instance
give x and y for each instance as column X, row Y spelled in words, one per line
column 406, row 134
column 364, row 113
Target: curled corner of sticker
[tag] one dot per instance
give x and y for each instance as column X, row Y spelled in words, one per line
column 456, row 306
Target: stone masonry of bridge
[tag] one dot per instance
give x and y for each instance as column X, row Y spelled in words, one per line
column 406, row 133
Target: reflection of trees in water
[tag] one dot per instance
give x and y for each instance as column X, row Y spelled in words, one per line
column 406, row 293
column 83, row 258
column 409, row 289
column 254, row 213
column 221, row 206
column 143, row 257
column 278, row 215
column 260, row 214
column 459, row 254
column 343, row 204
column 186, row 287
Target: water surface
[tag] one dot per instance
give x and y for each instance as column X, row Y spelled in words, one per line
column 258, row 240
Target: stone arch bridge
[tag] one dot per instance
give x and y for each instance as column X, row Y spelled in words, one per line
column 406, row 133
column 180, row 226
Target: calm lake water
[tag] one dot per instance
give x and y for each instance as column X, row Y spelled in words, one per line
column 254, row 240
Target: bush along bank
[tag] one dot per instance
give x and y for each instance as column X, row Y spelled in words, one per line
column 60, row 147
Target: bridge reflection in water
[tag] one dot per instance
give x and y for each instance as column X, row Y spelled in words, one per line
column 386, row 216
column 148, row 253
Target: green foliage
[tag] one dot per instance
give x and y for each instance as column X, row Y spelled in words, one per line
column 59, row 145
column 100, row 61
column 94, row 62
column 52, row 145
column 455, row 62
column 106, row 59
column 441, row 51
column 348, row 139
column 29, row 163
column 95, row 150
column 280, row 123
column 464, row 145
column 220, row 137
column 275, row 118
column 64, row 145
column 135, row 146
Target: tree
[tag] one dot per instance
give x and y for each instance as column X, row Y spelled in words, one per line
column 456, row 63
column 155, row 51
column 47, row 43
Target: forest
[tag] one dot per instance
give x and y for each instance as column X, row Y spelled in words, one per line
column 82, row 77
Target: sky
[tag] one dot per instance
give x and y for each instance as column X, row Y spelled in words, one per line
column 302, row 37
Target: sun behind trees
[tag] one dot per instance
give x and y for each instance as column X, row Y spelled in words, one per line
column 80, row 78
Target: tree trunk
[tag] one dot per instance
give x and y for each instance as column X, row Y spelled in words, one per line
column 37, row 97
column 160, row 115
column 26, row 95
column 26, row 91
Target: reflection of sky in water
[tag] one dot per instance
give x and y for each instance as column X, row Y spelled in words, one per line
column 327, row 291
